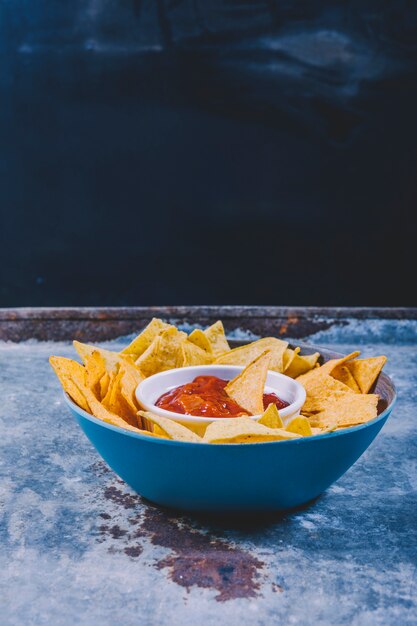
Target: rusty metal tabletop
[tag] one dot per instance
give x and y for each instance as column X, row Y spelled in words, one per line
column 79, row 547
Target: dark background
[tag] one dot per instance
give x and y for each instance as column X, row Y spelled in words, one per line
column 208, row 151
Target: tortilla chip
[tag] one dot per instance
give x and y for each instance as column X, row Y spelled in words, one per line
column 350, row 410
column 201, row 340
column 194, row 355
column 366, row 371
column 104, row 385
column 217, row 338
column 320, row 387
column 288, row 357
column 301, row 364
column 164, row 353
column 243, row 430
column 329, row 366
column 171, row 429
column 247, row 388
column 246, row 354
column 299, row 425
column 68, row 371
column 342, row 373
column 271, row 418
column 95, row 369
column 138, row 346
column 111, row 359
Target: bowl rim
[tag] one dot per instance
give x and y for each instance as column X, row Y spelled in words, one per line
column 288, row 442
column 200, row 419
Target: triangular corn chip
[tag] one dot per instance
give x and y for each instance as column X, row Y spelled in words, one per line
column 301, row 364
column 342, row 373
column 120, row 403
column 201, row 340
column 145, row 338
column 320, row 387
column 164, row 353
column 288, row 357
column 366, row 371
column 329, row 366
column 68, row 371
column 171, row 429
column 243, row 430
column 247, row 388
column 217, row 338
column 349, row 410
column 271, row 418
column 246, row 354
column 95, row 369
column 299, row 425
column 111, row 359
column 194, row 355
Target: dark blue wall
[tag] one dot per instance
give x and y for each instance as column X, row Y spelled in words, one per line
column 208, row 152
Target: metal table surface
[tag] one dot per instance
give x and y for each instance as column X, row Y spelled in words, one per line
column 79, row 547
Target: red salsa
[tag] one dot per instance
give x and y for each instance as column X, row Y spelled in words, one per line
column 205, row 397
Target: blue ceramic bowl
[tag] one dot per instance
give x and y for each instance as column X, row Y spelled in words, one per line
column 238, row 477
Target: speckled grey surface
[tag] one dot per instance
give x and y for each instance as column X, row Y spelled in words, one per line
column 78, row 547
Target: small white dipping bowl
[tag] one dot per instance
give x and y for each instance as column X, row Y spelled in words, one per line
column 152, row 388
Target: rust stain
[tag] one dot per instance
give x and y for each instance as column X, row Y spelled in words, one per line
column 200, row 560
column 197, row 557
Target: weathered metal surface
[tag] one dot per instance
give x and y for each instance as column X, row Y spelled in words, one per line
column 96, row 324
column 78, row 546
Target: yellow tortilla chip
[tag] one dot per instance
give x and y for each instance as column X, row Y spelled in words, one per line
column 271, row 418
column 119, row 402
column 299, row 425
column 243, row 430
column 95, row 369
column 366, row 371
column 288, row 357
column 247, row 388
column 194, row 355
column 164, row 353
column 171, row 429
column 246, row 354
column 329, row 366
column 349, row 410
column 111, row 359
column 104, row 385
column 342, row 373
column 68, row 371
column 217, row 338
column 301, row 364
column 145, row 338
column 201, row 340
column 320, row 387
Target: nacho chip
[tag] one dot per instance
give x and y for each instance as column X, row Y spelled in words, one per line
column 247, row 388
column 350, row 410
column 366, row 371
column 201, row 340
column 299, row 425
column 329, row 366
column 271, row 418
column 68, row 371
column 145, row 338
column 246, row 354
column 171, row 429
column 301, row 364
column 95, row 369
column 194, row 355
column 116, row 403
column 320, row 387
column 111, row 359
column 164, row 353
column 288, row 357
column 342, row 373
column 104, row 385
column 243, row 430
column 217, row 338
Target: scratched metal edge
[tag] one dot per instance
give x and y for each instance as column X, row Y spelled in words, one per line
column 104, row 323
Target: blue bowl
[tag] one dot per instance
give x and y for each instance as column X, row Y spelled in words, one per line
column 238, row 477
